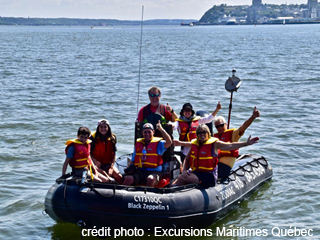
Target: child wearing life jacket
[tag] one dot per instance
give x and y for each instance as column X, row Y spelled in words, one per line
column 78, row 156
column 103, row 150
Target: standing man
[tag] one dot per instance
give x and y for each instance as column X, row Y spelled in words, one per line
column 147, row 157
column 227, row 158
column 154, row 111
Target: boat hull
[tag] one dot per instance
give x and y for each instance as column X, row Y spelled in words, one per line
column 116, row 206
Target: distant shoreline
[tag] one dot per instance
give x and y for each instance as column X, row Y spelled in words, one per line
column 244, row 24
column 86, row 22
column 95, row 23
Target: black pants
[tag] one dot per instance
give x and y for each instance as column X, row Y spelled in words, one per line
column 223, row 170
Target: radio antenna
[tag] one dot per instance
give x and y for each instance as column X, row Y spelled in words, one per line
column 140, row 62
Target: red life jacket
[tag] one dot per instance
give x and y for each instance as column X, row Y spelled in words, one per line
column 154, row 117
column 226, row 137
column 81, row 153
column 203, row 158
column 147, row 110
column 103, row 151
column 153, row 160
column 184, row 126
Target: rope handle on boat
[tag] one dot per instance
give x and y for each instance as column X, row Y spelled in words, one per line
column 91, row 186
column 265, row 164
column 261, row 160
column 64, row 195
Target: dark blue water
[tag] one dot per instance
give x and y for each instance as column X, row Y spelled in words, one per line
column 54, row 80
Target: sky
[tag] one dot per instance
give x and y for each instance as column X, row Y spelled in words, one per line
column 119, row 9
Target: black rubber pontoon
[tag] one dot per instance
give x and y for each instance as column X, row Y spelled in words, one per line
column 116, row 206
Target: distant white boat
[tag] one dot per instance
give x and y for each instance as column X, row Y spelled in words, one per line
column 231, row 21
column 187, row 24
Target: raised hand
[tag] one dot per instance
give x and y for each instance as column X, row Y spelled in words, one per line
column 255, row 113
column 159, row 126
column 219, row 107
column 168, row 107
column 252, row 141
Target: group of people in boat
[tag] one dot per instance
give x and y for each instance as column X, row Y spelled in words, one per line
column 204, row 157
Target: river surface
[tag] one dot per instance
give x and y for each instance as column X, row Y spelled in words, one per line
column 56, row 79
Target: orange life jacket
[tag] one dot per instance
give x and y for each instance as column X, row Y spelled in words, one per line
column 203, row 158
column 188, row 135
column 226, row 137
column 103, row 151
column 81, row 153
column 153, row 160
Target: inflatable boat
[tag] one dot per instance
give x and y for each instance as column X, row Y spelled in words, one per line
column 114, row 206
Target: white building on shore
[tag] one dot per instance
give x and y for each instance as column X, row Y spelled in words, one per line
column 312, row 6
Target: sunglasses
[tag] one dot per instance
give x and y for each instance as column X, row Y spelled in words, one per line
column 199, row 133
column 147, row 131
column 154, row 95
column 221, row 125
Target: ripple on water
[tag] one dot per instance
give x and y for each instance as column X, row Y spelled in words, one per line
column 57, row 79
